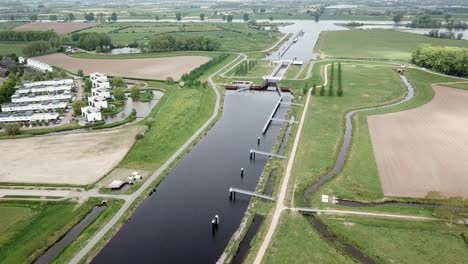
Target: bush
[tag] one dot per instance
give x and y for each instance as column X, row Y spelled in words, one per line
column 149, row 122
column 139, row 136
column 12, row 129
column 169, row 80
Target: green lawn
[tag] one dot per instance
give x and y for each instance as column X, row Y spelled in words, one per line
column 10, row 25
column 177, row 116
column 296, row 241
column 9, row 48
column 378, row 43
column 457, row 85
column 321, row 136
column 11, row 216
column 293, row 71
column 394, row 241
column 37, row 226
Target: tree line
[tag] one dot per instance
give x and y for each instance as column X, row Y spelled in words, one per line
column 429, row 22
column 191, row 78
column 40, row 47
column 26, row 36
column 447, row 60
column 243, row 68
column 179, row 43
column 92, row 40
column 444, row 35
column 331, row 84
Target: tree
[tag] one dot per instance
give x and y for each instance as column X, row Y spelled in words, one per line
column 271, row 18
column 135, row 91
column 314, row 88
column 118, row 82
column 262, row 10
column 202, row 17
column 76, row 106
column 460, row 36
column 88, row 85
column 33, row 17
column 229, row 18
column 53, row 17
column 447, row 18
column 224, row 17
column 119, row 93
column 169, row 80
column 317, row 16
column 7, row 89
column 36, row 48
column 246, row 17
column 98, row 49
column 12, row 129
column 397, row 18
column 322, row 90
column 113, row 16
column 70, row 17
column 332, row 77
column 178, row 16
column 304, row 89
column 80, row 73
column 11, row 18
column 340, row 87
column 89, row 17
column 156, row 18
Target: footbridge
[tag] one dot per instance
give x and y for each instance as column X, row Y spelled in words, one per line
column 233, row 191
column 269, row 154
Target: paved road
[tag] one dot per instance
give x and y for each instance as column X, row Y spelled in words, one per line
column 131, row 198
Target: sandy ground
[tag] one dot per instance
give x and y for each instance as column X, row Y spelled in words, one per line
column 65, row 159
column 58, row 27
column 148, row 68
column 424, row 149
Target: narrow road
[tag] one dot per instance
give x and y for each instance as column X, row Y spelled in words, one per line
column 131, row 198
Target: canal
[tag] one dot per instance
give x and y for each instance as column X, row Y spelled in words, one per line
column 174, row 224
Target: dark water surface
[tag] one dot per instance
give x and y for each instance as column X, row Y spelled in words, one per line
column 174, row 224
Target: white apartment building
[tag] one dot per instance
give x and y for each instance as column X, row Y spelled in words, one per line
column 101, row 92
column 22, row 98
column 29, row 116
column 44, row 89
column 38, row 65
column 64, row 82
column 91, row 114
column 46, row 105
column 97, row 102
column 99, row 80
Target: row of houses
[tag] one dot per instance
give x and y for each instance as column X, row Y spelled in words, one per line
column 37, row 101
column 36, row 65
column 100, row 92
column 28, row 116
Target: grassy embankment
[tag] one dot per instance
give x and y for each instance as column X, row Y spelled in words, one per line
column 377, row 44
column 28, row 228
column 7, row 48
column 396, row 241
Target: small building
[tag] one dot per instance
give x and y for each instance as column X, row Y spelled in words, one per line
column 28, row 116
column 19, row 97
column 39, row 65
column 97, row 102
column 116, row 185
column 46, row 105
column 99, row 80
column 91, row 114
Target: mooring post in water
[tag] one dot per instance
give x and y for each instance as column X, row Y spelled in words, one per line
column 251, row 156
column 213, row 226
column 258, row 141
column 242, row 172
column 217, row 219
column 230, row 194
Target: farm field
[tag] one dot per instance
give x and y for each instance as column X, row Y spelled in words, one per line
column 360, row 176
column 402, row 141
column 150, row 68
column 378, row 43
column 10, row 25
column 37, row 226
column 78, row 159
column 9, row 48
column 395, row 241
column 59, row 27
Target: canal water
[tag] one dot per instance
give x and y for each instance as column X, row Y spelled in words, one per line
column 174, row 224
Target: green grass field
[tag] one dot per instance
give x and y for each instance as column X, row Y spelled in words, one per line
column 10, row 25
column 36, row 227
column 394, row 241
column 296, row 241
column 378, row 43
column 9, row 48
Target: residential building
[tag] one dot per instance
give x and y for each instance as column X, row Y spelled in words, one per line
column 28, row 116
column 97, row 102
column 38, row 65
column 46, row 105
column 91, row 114
column 101, row 92
column 99, row 80
column 18, row 97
